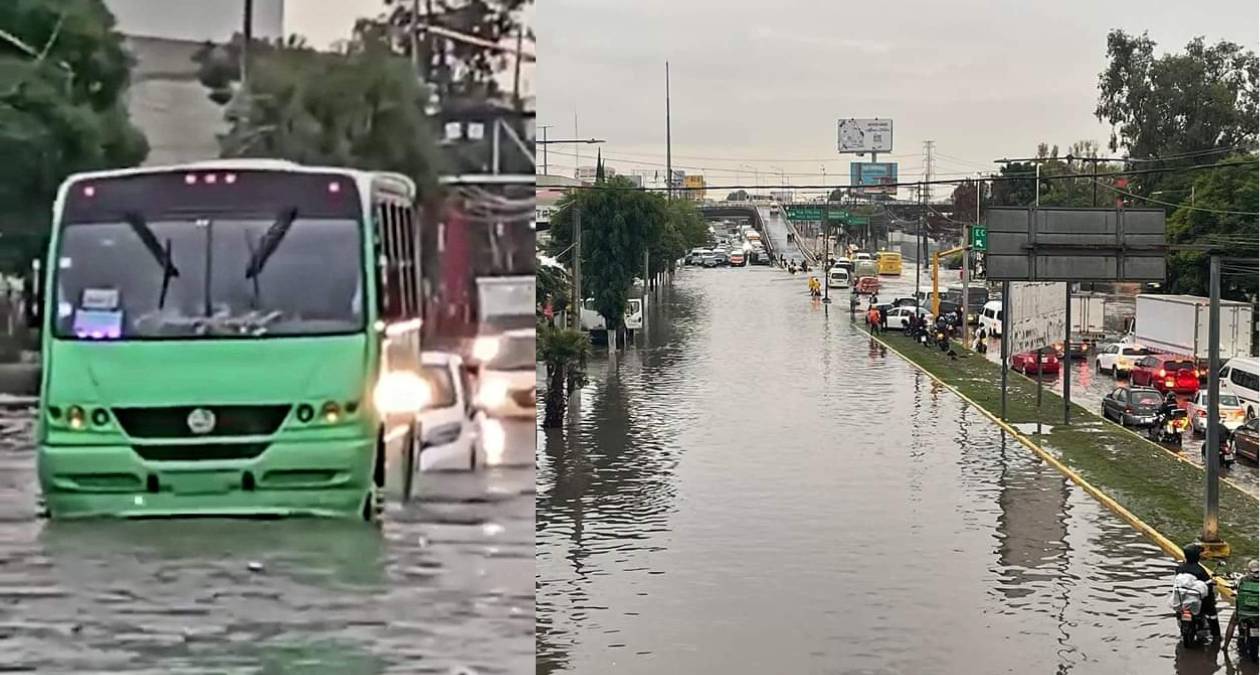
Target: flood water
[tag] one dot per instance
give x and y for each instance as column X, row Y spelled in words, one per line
column 444, row 586
column 756, row 489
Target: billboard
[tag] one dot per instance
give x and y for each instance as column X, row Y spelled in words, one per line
column 864, row 135
column 874, row 177
column 1038, row 314
column 1075, row 244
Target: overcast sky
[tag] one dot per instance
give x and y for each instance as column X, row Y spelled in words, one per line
column 762, row 84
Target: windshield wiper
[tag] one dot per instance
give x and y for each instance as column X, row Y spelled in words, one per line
column 160, row 254
column 270, row 242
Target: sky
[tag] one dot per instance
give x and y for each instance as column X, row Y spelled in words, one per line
column 757, row 88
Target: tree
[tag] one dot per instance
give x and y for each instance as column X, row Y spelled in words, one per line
column 362, row 108
column 1222, row 220
column 564, row 352
column 738, row 196
column 554, row 288
column 1020, row 189
column 1203, row 98
column 63, row 81
column 964, row 199
column 837, row 195
column 599, row 167
column 456, row 68
column 1177, row 104
column 618, row 223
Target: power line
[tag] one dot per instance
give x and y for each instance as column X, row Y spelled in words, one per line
column 1181, row 206
column 990, row 179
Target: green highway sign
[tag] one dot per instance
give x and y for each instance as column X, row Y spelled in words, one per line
column 810, row 213
column 979, row 238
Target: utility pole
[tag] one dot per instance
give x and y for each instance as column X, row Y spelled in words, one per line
column 248, row 32
column 826, row 262
column 669, row 157
column 1211, row 538
column 577, row 263
column 927, row 169
column 544, row 129
column 415, row 37
column 918, row 249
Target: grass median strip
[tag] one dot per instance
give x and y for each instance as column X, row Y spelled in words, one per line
column 1155, row 487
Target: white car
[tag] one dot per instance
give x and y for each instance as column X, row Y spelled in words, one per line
column 1118, row 358
column 838, row 277
column 898, row 317
column 862, row 256
column 506, row 381
column 1229, row 409
column 446, row 425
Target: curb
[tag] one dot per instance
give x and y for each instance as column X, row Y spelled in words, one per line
column 1137, row 523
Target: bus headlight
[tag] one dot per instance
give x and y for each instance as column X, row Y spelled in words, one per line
column 401, row 392
column 76, row 417
column 331, row 412
column 485, row 348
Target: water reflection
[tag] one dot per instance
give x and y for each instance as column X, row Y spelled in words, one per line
column 754, row 489
column 445, row 585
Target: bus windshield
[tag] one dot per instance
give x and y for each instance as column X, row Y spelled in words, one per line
column 192, row 277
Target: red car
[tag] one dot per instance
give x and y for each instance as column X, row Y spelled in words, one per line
column 1026, row 363
column 1166, row 372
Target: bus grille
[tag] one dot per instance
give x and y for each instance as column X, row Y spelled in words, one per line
column 199, row 452
column 229, row 420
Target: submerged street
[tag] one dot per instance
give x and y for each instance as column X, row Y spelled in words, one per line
column 443, row 586
column 756, row 488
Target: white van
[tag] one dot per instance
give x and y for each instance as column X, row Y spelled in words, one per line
column 838, row 277
column 991, row 318
column 1241, row 377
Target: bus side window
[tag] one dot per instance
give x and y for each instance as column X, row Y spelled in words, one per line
column 389, row 292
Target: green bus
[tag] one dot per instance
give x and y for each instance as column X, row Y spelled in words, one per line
column 229, row 338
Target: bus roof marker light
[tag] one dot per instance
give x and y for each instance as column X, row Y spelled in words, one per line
column 334, row 187
column 190, row 179
column 211, row 179
column 89, row 191
column 229, row 178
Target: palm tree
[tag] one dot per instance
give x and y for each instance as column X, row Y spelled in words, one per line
column 564, row 352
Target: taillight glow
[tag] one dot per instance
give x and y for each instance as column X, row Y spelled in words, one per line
column 1162, row 373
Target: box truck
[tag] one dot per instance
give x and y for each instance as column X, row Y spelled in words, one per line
column 1178, row 324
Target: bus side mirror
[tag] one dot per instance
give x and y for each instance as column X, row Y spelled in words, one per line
column 33, row 303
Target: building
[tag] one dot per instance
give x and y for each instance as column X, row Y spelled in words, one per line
column 586, row 174
column 693, row 185
column 547, row 195
column 165, row 100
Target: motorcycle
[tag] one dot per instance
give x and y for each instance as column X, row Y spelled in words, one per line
column 1247, row 606
column 1187, row 600
column 1169, row 428
column 1225, row 451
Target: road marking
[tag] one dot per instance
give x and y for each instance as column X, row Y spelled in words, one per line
column 1160, row 540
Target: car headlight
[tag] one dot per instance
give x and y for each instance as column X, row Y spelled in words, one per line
column 401, row 392
column 493, row 393
column 441, row 435
column 493, row 440
column 485, row 348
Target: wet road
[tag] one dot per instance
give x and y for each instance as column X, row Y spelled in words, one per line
column 756, row 490
column 446, row 585
column 1090, row 387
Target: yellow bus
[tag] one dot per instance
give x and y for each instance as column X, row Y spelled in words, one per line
column 889, row 263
